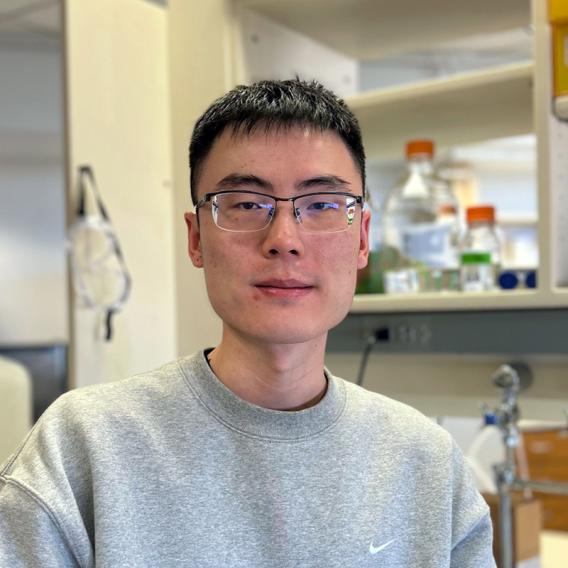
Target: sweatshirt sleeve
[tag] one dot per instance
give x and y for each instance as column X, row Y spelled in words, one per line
column 475, row 549
column 29, row 535
column 45, row 501
column 472, row 534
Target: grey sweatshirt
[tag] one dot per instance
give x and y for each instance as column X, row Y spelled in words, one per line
column 171, row 469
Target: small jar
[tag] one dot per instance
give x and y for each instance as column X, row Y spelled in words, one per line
column 480, row 251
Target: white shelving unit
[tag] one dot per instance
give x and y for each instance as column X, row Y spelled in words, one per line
column 466, row 108
column 368, row 29
column 469, row 107
column 458, row 301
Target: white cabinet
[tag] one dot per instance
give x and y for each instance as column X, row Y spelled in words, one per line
column 482, row 104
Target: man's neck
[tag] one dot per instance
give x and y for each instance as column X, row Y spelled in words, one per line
column 281, row 377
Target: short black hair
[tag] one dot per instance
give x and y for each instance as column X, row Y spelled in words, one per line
column 274, row 105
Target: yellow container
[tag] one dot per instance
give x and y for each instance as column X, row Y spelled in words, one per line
column 558, row 11
column 560, row 58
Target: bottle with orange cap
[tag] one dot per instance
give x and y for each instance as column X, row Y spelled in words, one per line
column 415, row 244
column 480, row 251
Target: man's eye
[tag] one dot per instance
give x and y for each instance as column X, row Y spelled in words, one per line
column 248, row 205
column 323, row 205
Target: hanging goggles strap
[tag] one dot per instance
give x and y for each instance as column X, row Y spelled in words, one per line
column 100, row 275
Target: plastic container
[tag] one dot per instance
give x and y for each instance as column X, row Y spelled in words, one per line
column 416, row 241
column 480, row 251
column 514, row 278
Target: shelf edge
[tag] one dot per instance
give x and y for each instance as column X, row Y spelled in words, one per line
column 454, row 82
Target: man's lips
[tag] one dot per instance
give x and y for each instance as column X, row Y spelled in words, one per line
column 285, row 284
column 289, row 288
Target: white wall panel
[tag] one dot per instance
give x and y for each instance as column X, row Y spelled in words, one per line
column 202, row 65
column 273, row 51
column 118, row 121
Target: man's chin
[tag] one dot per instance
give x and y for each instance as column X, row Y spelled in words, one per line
column 280, row 334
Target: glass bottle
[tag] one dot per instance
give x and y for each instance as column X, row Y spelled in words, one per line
column 446, row 267
column 414, row 242
column 480, row 251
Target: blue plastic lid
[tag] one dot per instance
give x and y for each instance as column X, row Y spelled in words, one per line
column 530, row 279
column 490, row 419
column 508, row 280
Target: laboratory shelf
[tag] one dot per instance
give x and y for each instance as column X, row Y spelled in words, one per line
column 459, row 301
column 463, row 108
column 367, row 29
column 517, row 220
column 467, row 107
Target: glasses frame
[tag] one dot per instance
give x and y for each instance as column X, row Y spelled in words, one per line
column 208, row 197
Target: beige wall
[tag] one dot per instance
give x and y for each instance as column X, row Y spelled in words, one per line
column 201, row 70
column 456, row 385
column 118, row 121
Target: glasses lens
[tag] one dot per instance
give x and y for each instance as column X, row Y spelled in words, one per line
column 324, row 212
column 242, row 211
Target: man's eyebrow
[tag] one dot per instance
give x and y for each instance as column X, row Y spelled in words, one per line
column 243, row 181
column 239, row 181
column 324, row 182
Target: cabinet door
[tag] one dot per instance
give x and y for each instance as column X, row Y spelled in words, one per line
column 547, row 456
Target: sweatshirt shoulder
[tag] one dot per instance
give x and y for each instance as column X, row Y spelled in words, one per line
column 98, row 415
column 394, row 418
column 151, row 387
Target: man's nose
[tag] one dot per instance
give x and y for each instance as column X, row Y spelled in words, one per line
column 283, row 235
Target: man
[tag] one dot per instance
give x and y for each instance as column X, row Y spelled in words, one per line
column 251, row 454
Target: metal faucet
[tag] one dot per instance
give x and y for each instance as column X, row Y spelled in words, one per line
column 512, row 378
column 506, row 417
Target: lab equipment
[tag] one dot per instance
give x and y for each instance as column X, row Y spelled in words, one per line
column 100, row 276
column 480, row 251
column 420, row 224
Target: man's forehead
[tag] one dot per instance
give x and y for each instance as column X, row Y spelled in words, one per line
column 276, row 130
column 240, row 140
column 253, row 151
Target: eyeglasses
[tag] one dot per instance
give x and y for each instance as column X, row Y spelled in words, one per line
column 244, row 211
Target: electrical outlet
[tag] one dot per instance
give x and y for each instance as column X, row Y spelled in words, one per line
column 412, row 334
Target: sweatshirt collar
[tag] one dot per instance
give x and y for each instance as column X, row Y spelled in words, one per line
column 253, row 420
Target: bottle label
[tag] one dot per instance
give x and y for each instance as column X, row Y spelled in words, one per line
column 427, row 243
column 468, row 258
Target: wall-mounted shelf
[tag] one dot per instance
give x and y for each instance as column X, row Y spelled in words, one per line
column 517, row 220
column 465, row 108
column 459, row 301
column 367, row 29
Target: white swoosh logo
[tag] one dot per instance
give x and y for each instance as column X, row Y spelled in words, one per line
column 375, row 549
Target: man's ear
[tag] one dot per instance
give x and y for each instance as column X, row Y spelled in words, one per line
column 364, row 240
column 193, row 239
